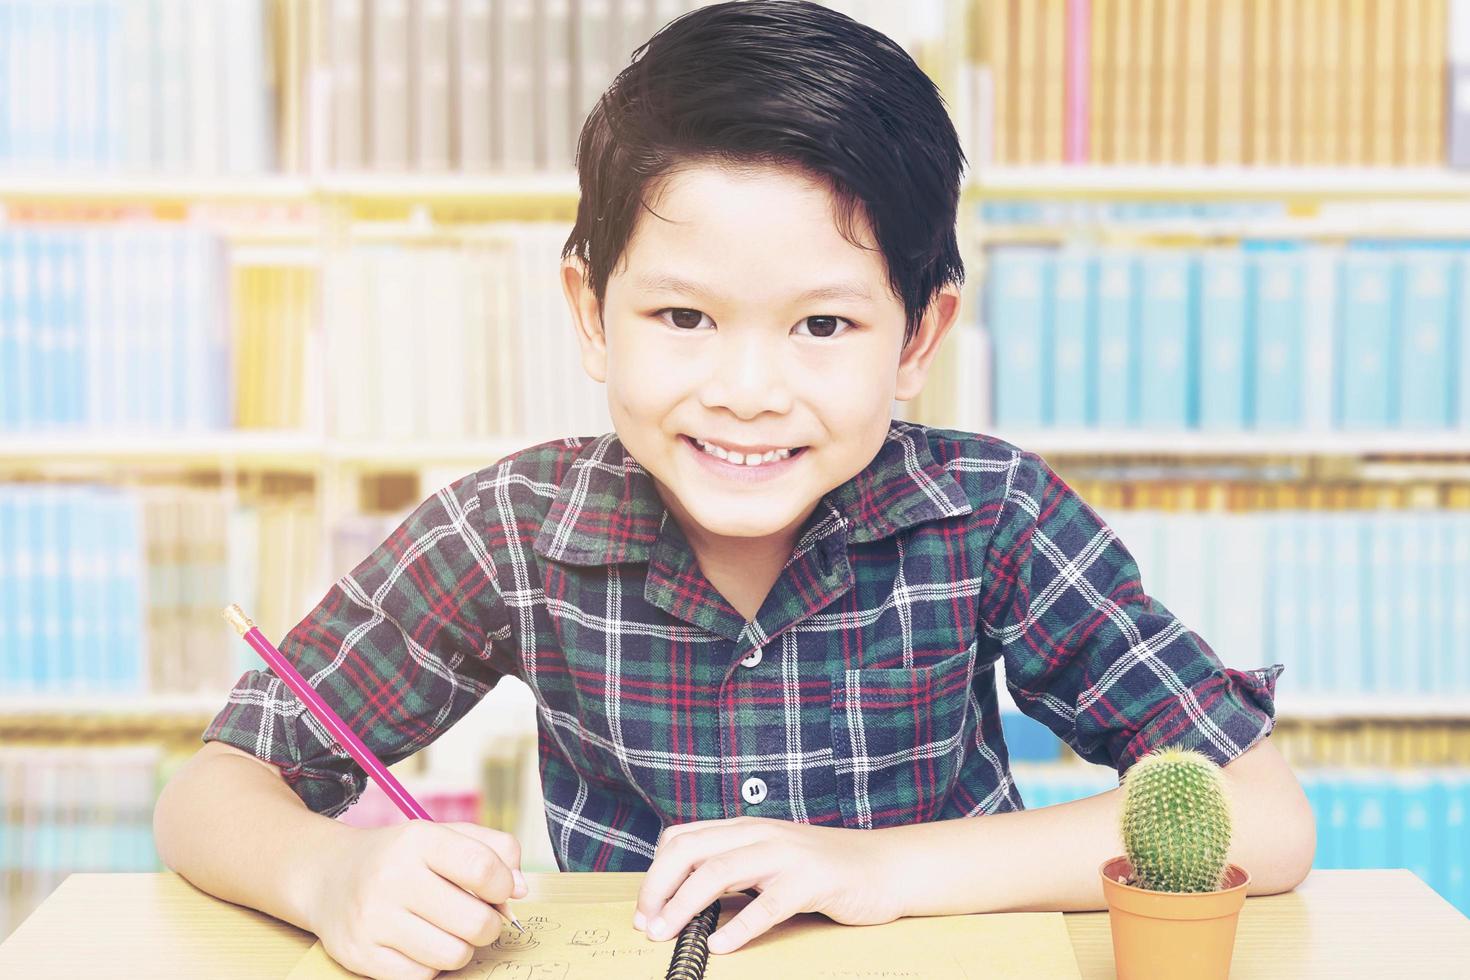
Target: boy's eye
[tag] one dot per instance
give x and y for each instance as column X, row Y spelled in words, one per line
column 820, row 326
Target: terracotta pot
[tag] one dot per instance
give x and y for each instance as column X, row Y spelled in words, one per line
column 1168, row 935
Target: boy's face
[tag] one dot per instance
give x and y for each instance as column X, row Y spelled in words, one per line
column 737, row 357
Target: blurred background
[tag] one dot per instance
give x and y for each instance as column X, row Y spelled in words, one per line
column 1219, row 276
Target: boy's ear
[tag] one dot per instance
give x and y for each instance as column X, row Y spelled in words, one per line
column 586, row 317
column 918, row 354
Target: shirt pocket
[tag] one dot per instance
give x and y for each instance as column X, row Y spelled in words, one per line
column 896, row 736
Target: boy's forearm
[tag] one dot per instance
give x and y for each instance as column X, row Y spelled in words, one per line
column 1047, row 859
column 236, row 830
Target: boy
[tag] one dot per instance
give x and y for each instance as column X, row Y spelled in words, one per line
column 761, row 619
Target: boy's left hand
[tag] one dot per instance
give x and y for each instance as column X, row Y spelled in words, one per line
column 849, row 875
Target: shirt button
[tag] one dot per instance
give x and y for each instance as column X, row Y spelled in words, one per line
column 752, row 658
column 754, row 789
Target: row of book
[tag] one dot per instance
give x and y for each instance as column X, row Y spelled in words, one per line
column 113, row 327
column 441, row 343
column 1268, row 336
column 1366, row 818
column 120, row 590
column 1085, row 212
column 1351, row 601
column 136, row 86
column 114, row 589
column 67, row 808
column 1301, row 82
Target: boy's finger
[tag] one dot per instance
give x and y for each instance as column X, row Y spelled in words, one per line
column 454, row 910
column 730, row 871
column 502, row 843
column 471, row 864
column 768, row 909
column 679, row 855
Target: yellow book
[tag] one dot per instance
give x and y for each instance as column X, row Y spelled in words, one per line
column 1128, row 92
column 1054, row 81
column 1288, row 82
column 1355, row 67
column 1168, row 135
column 1411, row 78
column 1196, row 85
column 1258, row 80
column 1028, row 43
column 1100, row 66
column 1225, row 143
column 997, row 19
column 1326, row 117
column 247, row 340
column 1433, row 29
column 1145, row 39
column 1308, row 108
column 1384, row 96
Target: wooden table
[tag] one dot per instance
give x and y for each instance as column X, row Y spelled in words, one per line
column 1377, row 923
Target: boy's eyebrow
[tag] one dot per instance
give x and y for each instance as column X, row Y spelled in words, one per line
column 673, row 283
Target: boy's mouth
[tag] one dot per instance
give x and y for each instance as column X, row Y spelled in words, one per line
column 753, row 461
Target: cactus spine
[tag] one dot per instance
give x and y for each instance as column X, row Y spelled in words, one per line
column 1176, row 821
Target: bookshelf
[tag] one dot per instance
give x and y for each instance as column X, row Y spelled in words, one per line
column 314, row 211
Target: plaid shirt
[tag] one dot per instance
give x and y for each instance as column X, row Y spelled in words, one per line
column 862, row 695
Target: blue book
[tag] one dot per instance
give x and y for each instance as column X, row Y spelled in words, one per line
column 51, row 558
column 1303, row 592
column 1019, row 292
column 1432, row 572
column 1116, row 366
column 34, row 330
column 76, row 391
column 28, row 586
column 63, row 653
column 1346, row 571
column 1073, row 401
column 1409, row 607
column 1336, row 844
column 1282, row 611
column 1385, row 666
column 9, row 598
column 1222, row 339
column 1437, row 805
column 1166, row 347
column 1416, row 840
column 1425, row 368
column 85, row 533
column 1278, row 338
column 1457, row 843
column 12, row 356
column 128, row 673
column 1369, row 816
column 1365, row 394
column 1460, row 341
column 46, row 353
column 1457, row 586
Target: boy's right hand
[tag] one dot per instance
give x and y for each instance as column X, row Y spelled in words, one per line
column 404, row 902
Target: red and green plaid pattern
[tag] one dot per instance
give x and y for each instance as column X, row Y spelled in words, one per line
column 862, row 695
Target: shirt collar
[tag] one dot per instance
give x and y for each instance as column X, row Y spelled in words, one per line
column 607, row 509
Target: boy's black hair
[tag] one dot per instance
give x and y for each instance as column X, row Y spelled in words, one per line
column 783, row 82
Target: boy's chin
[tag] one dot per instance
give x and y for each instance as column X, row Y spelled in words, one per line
column 761, row 524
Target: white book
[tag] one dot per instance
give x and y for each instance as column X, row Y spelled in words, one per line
column 471, row 81
column 517, row 92
column 400, row 384
column 135, row 64
column 1410, row 609
column 208, row 111
column 345, row 49
column 386, row 82
column 249, row 137
column 1432, row 529
column 531, row 334
column 1458, row 583
column 1317, row 649
column 429, row 84
column 171, row 105
column 346, row 337
column 554, row 83
column 632, row 27
column 450, row 372
column 511, row 351
column 1348, row 614
column 1239, row 593
column 592, row 63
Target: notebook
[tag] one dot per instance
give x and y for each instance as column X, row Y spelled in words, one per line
column 597, row 941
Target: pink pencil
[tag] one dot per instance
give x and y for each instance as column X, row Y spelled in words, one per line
column 344, row 735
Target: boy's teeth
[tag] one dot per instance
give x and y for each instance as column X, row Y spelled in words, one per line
column 738, row 459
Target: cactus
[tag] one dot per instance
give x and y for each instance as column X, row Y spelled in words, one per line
column 1176, row 821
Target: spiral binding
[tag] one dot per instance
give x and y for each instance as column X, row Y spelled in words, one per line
column 691, row 949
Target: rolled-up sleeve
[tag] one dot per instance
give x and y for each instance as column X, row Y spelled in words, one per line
column 401, row 647
column 1088, row 653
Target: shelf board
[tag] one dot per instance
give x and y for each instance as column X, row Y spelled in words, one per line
column 1217, row 183
column 989, row 182
column 1144, row 442
column 306, row 452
